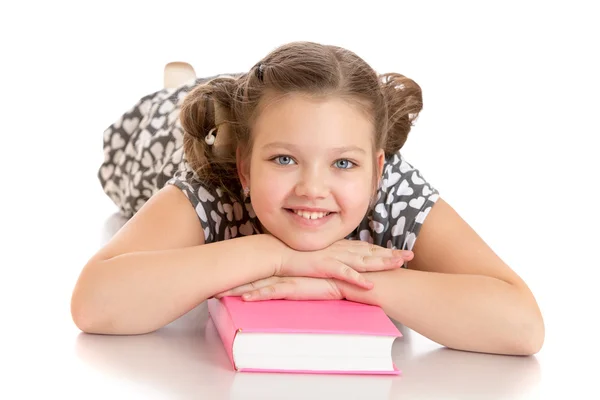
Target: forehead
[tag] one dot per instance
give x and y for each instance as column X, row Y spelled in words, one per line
column 299, row 118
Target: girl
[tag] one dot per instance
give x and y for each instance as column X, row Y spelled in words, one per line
column 287, row 182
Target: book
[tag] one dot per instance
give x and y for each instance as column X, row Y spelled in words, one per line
column 320, row 336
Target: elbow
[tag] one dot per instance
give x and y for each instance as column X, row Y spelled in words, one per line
column 531, row 337
column 86, row 313
column 83, row 315
column 537, row 338
column 90, row 317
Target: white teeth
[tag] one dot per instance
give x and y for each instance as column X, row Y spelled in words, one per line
column 311, row 215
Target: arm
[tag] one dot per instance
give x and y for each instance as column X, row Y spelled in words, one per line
column 457, row 292
column 156, row 268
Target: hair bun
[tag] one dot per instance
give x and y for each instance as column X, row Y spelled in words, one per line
column 404, row 102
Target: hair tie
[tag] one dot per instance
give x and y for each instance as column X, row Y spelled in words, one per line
column 210, row 138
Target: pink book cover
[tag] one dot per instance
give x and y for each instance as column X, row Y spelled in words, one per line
column 232, row 315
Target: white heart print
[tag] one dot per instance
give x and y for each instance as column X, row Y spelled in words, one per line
column 404, row 189
column 390, row 198
column 237, row 211
column 417, row 203
column 250, row 210
column 117, row 141
column 376, row 226
column 228, row 209
column 204, row 195
column 166, row 107
column 422, row 215
column 145, row 107
column 365, row 236
column 201, row 212
column 393, row 178
column 107, row 134
column 404, row 167
column 117, row 157
column 177, row 134
column 157, row 150
column 143, row 138
column 137, row 178
column 246, row 229
column 409, row 242
column 146, row 160
column 398, row 229
column 158, row 123
column 168, row 169
column 173, row 117
column 130, row 124
column 397, row 207
column 217, row 218
column 417, row 179
column 380, row 209
column 107, row 171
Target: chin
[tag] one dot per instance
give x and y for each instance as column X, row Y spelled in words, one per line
column 308, row 242
column 297, row 245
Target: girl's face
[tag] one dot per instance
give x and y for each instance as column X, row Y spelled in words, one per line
column 311, row 170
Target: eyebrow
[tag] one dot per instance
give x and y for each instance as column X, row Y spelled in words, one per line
column 289, row 146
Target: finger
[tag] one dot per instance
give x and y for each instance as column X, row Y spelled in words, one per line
column 375, row 258
column 273, row 292
column 240, row 290
column 390, row 257
column 342, row 271
column 298, row 288
column 366, row 263
column 369, row 249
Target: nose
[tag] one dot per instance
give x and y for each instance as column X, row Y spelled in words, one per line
column 312, row 184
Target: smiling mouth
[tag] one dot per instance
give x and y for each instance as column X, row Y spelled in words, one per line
column 310, row 214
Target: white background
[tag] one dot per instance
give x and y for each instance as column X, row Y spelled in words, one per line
column 508, row 134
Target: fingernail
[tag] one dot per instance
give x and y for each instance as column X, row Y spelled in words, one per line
column 246, row 296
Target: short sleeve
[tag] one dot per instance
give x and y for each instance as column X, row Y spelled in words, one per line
column 404, row 200
column 221, row 216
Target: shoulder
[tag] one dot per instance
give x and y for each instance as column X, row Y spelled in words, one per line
column 404, row 199
column 222, row 214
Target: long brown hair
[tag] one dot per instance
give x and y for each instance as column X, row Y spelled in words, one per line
column 232, row 103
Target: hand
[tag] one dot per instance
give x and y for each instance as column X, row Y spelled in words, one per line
column 290, row 288
column 343, row 260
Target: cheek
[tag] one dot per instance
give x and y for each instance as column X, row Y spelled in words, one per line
column 268, row 189
column 353, row 194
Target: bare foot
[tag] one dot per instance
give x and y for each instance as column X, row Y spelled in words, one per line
column 177, row 73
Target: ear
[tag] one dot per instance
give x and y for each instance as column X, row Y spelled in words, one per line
column 380, row 161
column 242, row 169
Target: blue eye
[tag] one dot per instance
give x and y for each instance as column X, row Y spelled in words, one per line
column 344, row 164
column 283, row 160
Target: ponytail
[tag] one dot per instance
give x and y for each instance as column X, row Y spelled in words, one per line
column 207, row 111
column 403, row 102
